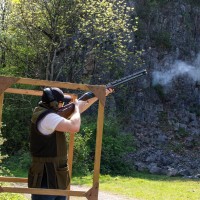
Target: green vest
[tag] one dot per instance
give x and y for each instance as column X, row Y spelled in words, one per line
column 49, row 156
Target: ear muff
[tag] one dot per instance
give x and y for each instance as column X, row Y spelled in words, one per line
column 52, row 102
column 48, row 93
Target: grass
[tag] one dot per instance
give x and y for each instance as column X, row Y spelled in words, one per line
column 142, row 186
column 147, row 186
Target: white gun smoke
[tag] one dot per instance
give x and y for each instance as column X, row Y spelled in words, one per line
column 179, row 68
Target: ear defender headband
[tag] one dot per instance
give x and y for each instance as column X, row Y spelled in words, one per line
column 49, row 98
column 49, row 95
column 54, row 95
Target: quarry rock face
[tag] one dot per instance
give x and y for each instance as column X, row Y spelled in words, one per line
column 165, row 118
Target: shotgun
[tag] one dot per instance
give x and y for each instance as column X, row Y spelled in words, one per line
column 68, row 109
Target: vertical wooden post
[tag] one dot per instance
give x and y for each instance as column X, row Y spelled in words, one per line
column 98, row 147
column 71, row 151
column 1, row 109
column 70, row 157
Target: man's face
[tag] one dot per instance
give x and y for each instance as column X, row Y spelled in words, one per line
column 60, row 104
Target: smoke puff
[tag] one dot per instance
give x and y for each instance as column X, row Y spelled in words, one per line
column 177, row 69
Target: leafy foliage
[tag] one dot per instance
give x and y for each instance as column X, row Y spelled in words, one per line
column 2, row 169
column 115, row 149
column 8, row 196
column 65, row 40
column 81, row 161
column 61, row 40
column 17, row 111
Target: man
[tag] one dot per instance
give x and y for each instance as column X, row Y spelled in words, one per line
column 48, row 146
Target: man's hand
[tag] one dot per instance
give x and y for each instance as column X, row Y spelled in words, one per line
column 80, row 105
column 109, row 91
column 84, row 105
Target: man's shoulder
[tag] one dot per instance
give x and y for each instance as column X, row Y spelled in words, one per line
column 40, row 112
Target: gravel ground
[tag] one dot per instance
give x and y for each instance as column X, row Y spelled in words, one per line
column 102, row 194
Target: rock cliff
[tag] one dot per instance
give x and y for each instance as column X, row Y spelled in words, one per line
column 165, row 115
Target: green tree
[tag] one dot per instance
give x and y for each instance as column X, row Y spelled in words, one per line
column 62, row 40
column 65, row 40
column 3, row 10
column 2, row 156
column 16, row 118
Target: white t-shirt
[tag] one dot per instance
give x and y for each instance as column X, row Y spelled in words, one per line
column 48, row 124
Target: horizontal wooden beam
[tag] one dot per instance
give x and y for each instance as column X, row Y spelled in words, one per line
column 73, row 86
column 13, row 179
column 29, row 81
column 43, row 191
column 98, row 90
column 30, row 92
column 24, row 91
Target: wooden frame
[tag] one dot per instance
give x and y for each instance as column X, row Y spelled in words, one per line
column 99, row 91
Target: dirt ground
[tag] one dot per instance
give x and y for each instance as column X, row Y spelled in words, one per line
column 102, row 195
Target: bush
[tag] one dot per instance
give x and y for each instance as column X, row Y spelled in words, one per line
column 9, row 196
column 18, row 164
column 116, row 146
column 81, row 161
column 2, row 169
column 17, row 113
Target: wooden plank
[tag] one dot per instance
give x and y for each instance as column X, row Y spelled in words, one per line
column 71, row 152
column 1, row 109
column 73, row 86
column 92, row 194
column 29, row 81
column 98, row 90
column 24, row 91
column 6, row 82
column 44, row 191
column 31, row 92
column 98, row 143
column 13, row 179
column 70, row 157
